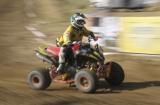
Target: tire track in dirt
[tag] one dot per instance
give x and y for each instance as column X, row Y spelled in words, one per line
column 135, row 90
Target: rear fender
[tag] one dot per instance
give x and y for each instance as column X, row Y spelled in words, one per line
column 46, row 58
column 42, row 50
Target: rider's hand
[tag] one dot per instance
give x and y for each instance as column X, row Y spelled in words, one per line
column 96, row 38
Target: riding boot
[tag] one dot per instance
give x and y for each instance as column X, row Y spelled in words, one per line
column 60, row 68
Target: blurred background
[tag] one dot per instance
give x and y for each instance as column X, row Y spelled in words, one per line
column 130, row 35
column 127, row 25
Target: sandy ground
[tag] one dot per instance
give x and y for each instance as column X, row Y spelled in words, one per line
column 141, row 86
column 17, row 44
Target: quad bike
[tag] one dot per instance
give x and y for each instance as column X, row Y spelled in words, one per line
column 85, row 66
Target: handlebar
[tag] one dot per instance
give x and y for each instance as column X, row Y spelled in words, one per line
column 90, row 38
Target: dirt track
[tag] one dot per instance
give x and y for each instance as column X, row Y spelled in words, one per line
column 141, row 85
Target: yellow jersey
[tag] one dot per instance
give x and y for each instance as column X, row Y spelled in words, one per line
column 72, row 34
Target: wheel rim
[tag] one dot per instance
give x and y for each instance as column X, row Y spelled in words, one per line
column 35, row 80
column 84, row 82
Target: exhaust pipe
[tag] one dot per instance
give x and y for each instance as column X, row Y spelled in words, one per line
column 42, row 57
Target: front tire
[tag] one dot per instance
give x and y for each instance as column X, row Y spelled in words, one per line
column 86, row 81
column 39, row 79
column 116, row 75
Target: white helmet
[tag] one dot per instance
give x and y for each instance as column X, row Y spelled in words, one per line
column 78, row 20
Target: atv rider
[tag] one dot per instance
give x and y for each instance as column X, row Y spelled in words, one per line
column 74, row 32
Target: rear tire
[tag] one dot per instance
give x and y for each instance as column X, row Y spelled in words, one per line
column 39, row 79
column 116, row 76
column 86, row 81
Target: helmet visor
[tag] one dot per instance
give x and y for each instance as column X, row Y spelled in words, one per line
column 81, row 22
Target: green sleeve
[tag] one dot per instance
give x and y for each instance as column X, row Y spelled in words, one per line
column 86, row 32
